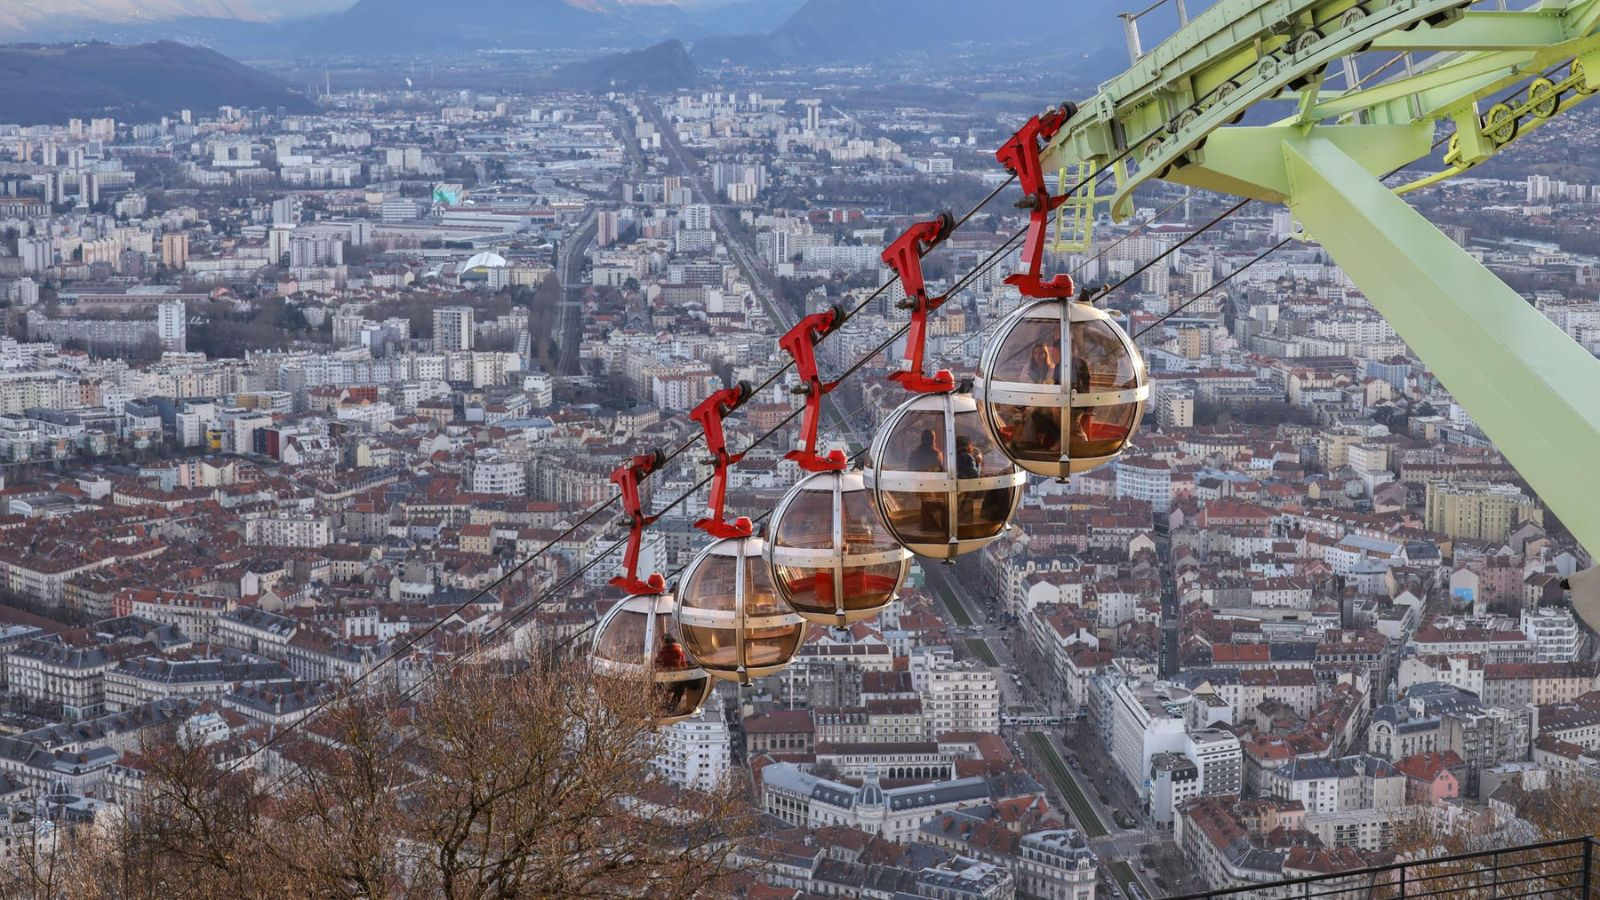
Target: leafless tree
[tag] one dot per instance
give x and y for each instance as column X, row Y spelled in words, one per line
column 530, row 779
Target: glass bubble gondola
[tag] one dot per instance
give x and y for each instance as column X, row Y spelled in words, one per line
column 1061, row 387
column 729, row 613
column 638, row 643
column 832, row 559
column 942, row 486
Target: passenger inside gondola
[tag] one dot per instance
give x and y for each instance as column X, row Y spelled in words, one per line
column 1039, row 432
column 928, row 457
column 671, row 657
column 1081, row 383
column 1042, row 368
column 969, row 464
column 993, row 505
column 1101, row 363
column 1034, row 432
column 969, row 461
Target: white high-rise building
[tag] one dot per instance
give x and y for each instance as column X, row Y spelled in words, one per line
column 813, row 110
column 38, row 253
column 1147, row 480
column 1220, row 759
column 278, row 243
column 493, row 473
column 696, row 754
column 25, row 292
column 285, row 212
column 347, row 327
column 172, row 326
column 1141, row 726
column 1553, row 633
column 315, row 249
column 956, row 696
column 697, row 217
column 1156, row 280
column 452, row 328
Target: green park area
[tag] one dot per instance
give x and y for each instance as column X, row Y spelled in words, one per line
column 980, row 649
column 1081, row 810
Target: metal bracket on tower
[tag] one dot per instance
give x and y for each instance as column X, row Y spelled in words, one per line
column 801, row 343
column 627, row 478
column 905, row 257
column 1020, row 156
column 709, row 415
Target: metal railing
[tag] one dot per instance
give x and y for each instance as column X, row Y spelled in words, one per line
column 1551, row 870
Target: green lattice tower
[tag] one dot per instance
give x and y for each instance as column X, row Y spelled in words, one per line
column 1534, row 391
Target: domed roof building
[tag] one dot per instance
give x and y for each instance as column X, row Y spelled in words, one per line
column 477, row 268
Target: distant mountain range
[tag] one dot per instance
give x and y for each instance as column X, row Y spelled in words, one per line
column 384, row 27
column 864, row 30
column 78, row 18
column 415, row 26
column 50, row 84
column 666, row 66
column 1083, row 34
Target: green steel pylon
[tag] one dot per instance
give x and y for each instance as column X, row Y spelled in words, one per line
column 1534, row 391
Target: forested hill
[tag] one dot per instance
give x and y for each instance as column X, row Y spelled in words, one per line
column 48, row 84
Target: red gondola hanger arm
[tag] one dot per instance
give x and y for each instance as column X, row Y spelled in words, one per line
column 627, row 478
column 709, row 415
column 904, row 256
column 801, row 343
column 1020, row 156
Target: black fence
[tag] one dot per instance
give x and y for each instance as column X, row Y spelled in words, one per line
column 1553, row 870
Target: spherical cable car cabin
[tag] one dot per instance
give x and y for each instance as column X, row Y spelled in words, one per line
column 729, row 613
column 637, row 642
column 732, row 620
column 942, row 486
column 833, row 560
column 1061, row 387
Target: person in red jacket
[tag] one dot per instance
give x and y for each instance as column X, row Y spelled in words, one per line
column 671, row 658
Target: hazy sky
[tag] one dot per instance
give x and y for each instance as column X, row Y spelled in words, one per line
column 310, row 6
column 18, row 15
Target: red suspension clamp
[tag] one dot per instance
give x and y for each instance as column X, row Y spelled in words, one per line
column 801, row 343
column 1020, row 156
column 627, row 477
column 905, row 257
column 709, row 414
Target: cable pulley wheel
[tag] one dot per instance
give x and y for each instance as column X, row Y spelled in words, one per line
column 1544, row 98
column 1500, row 123
column 1575, row 74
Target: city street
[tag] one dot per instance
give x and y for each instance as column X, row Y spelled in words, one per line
column 683, row 164
column 1070, row 761
column 569, row 322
